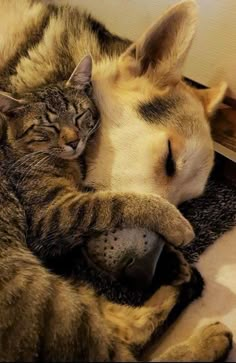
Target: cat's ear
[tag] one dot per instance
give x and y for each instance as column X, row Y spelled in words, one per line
column 82, row 74
column 212, row 97
column 8, row 102
column 160, row 52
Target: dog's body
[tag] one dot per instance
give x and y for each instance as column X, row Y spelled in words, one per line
column 154, row 138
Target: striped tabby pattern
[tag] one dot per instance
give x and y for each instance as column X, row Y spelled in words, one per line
column 45, row 317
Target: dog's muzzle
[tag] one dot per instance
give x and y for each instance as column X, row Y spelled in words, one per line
column 127, row 254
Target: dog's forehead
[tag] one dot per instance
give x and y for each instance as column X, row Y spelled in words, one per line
column 158, row 109
column 180, row 111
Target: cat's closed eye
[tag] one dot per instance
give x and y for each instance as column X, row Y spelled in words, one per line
column 77, row 118
column 54, row 127
column 38, row 138
column 25, row 131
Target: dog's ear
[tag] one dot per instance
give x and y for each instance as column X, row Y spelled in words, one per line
column 161, row 51
column 212, row 97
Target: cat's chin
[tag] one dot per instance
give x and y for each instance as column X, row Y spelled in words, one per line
column 67, row 156
column 73, row 155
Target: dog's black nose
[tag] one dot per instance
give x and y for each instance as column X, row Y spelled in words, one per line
column 139, row 271
column 127, row 254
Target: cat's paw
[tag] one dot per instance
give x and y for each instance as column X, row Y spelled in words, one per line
column 185, row 271
column 179, row 231
column 171, row 224
column 213, row 342
column 164, row 298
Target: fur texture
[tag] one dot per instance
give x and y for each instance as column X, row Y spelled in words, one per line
column 52, row 319
column 64, row 319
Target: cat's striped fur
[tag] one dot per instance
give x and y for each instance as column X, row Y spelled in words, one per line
column 47, row 318
column 44, row 317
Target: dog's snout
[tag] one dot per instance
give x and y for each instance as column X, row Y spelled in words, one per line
column 129, row 262
column 139, row 270
column 127, row 254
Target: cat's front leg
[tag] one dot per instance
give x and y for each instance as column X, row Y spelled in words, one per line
column 167, row 221
column 131, row 210
column 64, row 214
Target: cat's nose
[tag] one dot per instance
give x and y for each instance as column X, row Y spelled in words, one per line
column 70, row 136
column 73, row 144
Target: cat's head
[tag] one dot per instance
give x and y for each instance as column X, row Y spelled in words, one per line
column 57, row 119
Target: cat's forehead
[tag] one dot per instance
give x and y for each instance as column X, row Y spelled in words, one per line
column 53, row 97
column 59, row 99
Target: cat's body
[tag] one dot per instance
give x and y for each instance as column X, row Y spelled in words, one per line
column 47, row 318
column 43, row 316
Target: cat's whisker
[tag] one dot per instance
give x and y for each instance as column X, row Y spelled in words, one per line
column 18, row 165
column 26, row 158
column 95, row 128
column 34, row 167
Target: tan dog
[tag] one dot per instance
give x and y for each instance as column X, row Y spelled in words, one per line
column 145, row 104
column 155, row 136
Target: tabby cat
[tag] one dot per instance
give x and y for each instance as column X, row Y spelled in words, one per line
column 46, row 318
column 47, row 130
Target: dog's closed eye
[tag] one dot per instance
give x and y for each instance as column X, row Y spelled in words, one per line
column 170, row 166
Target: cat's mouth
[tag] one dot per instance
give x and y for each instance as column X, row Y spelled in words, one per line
column 71, row 152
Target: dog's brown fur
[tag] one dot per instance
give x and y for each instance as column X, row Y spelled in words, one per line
column 45, row 317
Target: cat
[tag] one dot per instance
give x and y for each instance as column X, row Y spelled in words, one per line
column 47, row 130
column 45, row 317
column 43, row 48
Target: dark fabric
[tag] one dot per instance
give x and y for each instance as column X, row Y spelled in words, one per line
column 211, row 215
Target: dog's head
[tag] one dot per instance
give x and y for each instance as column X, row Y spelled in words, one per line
column 155, row 135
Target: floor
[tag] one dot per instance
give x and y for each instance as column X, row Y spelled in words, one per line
column 218, row 267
